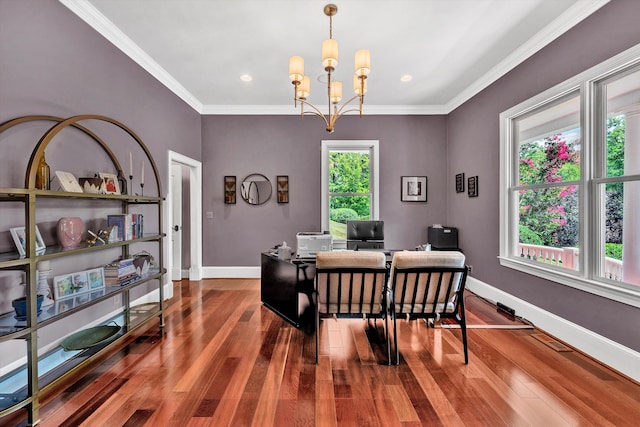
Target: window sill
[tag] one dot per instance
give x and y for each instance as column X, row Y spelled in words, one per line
column 624, row 293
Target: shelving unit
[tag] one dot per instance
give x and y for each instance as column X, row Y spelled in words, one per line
column 22, row 387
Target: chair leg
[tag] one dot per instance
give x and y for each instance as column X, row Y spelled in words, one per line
column 463, row 329
column 317, row 331
column 386, row 335
column 395, row 337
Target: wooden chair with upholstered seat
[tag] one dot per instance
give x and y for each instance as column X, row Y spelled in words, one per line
column 351, row 284
column 428, row 285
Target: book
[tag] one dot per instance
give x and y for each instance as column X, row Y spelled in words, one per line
column 123, row 222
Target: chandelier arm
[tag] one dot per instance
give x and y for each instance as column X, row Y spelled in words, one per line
column 344, row 104
column 316, row 111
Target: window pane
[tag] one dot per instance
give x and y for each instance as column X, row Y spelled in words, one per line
column 622, row 245
column 349, row 172
column 346, row 208
column 548, row 227
column 622, row 99
column 349, row 189
column 548, row 142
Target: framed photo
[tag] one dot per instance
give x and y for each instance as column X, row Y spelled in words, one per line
column 230, row 190
column 282, row 184
column 460, row 183
column 20, row 239
column 68, row 182
column 413, row 189
column 110, row 184
column 96, row 278
column 472, row 186
column 69, row 285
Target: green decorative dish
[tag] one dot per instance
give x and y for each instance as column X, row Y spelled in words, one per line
column 90, row 337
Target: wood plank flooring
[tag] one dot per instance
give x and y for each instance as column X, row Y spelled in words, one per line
column 225, row 360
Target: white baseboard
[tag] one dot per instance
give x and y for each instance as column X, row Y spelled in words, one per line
column 611, row 353
column 231, row 272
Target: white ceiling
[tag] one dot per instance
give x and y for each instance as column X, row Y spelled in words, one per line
column 451, row 48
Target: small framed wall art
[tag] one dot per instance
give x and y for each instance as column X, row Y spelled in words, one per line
column 283, row 188
column 460, row 183
column 414, row 189
column 230, row 190
column 472, row 186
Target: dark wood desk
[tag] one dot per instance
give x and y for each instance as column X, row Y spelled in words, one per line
column 286, row 288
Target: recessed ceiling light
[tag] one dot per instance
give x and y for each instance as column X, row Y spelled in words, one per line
column 406, row 78
column 246, row 78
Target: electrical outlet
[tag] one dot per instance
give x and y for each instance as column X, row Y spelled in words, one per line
column 470, row 269
column 117, row 300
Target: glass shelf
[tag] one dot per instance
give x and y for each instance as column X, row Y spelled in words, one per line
column 58, row 361
column 65, row 307
column 13, row 259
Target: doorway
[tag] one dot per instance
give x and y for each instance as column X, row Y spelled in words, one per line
column 184, row 216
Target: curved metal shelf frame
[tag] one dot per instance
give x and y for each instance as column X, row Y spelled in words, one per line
column 28, row 195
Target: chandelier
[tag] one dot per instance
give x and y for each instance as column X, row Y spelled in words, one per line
column 334, row 89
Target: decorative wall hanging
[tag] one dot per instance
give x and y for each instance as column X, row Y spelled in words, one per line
column 230, row 190
column 283, row 188
column 472, row 186
column 460, row 183
column 414, row 189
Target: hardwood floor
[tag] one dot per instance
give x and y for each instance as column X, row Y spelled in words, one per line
column 225, row 360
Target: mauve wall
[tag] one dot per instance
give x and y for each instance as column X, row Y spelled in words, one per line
column 474, row 147
column 51, row 62
column 285, row 145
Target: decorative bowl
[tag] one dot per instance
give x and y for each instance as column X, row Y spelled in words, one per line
column 90, row 337
column 20, row 306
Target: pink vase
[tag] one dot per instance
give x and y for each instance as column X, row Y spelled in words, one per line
column 70, row 231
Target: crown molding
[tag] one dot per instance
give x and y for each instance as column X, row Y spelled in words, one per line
column 563, row 23
column 290, row 110
column 96, row 20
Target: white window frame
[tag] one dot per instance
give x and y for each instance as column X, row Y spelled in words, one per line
column 587, row 278
column 374, row 158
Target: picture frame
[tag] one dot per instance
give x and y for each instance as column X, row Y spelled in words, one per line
column 230, row 190
column 413, row 188
column 70, row 285
column 68, row 182
column 110, row 184
column 96, row 279
column 282, row 188
column 460, row 183
column 19, row 236
column 472, row 186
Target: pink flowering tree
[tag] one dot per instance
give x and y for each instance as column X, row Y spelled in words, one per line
column 549, row 215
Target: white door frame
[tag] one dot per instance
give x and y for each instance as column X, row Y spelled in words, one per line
column 176, row 221
column 195, row 218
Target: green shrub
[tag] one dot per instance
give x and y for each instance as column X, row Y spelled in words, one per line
column 342, row 215
column 613, row 250
column 529, row 236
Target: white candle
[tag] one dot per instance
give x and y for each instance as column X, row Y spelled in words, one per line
column 142, row 174
column 130, row 164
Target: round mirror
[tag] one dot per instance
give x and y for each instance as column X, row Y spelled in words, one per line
column 256, row 189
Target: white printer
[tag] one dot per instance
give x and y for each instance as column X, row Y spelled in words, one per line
column 311, row 242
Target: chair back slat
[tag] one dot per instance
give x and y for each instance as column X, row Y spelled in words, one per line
column 350, row 282
column 428, row 285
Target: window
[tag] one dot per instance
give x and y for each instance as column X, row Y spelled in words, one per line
column 349, row 185
column 570, row 205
